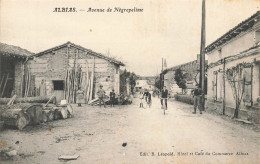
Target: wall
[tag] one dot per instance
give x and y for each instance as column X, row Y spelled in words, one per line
column 241, row 43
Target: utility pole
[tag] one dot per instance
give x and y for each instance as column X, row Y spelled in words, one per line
column 161, row 77
column 202, row 56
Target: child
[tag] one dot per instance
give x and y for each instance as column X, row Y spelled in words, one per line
column 112, row 98
column 141, row 97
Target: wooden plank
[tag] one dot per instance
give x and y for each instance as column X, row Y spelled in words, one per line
column 68, row 157
column 5, row 85
column 12, row 100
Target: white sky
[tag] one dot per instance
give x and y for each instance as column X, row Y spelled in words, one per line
column 167, row 28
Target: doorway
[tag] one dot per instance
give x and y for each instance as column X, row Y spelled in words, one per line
column 58, row 90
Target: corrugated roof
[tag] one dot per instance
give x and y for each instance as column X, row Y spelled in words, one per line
column 16, row 51
column 84, row 49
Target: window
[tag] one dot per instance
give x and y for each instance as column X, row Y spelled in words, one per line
column 58, row 85
column 215, row 85
column 247, row 78
column 220, row 53
column 257, row 36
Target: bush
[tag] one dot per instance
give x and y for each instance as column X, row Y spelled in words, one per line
column 184, row 98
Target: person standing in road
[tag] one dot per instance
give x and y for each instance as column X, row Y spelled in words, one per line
column 112, row 98
column 141, row 97
column 197, row 93
column 146, row 95
column 101, row 95
column 80, row 97
column 164, row 96
column 149, row 99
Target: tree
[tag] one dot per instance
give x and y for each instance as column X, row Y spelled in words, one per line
column 237, row 80
column 132, row 80
column 157, row 82
column 180, row 77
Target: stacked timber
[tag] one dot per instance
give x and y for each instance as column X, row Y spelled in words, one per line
column 77, row 79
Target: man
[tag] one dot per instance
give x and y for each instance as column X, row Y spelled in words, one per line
column 101, row 95
column 112, row 98
column 164, row 96
column 149, row 99
column 146, row 95
column 197, row 93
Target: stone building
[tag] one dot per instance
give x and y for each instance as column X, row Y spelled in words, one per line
column 191, row 69
column 12, row 61
column 238, row 46
column 48, row 69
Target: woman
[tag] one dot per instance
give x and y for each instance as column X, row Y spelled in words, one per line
column 80, row 97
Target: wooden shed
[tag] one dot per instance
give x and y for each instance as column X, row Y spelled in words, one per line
column 61, row 70
column 12, row 70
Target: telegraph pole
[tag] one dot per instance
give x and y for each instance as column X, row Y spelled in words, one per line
column 161, row 77
column 202, row 55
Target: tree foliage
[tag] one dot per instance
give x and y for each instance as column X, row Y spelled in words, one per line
column 123, row 80
column 158, row 82
column 180, row 79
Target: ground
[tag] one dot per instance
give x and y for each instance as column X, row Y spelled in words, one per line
column 98, row 135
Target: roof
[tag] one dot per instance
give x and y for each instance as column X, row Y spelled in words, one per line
column 179, row 66
column 241, row 27
column 15, row 51
column 83, row 49
column 146, row 77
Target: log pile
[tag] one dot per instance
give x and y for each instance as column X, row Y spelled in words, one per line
column 23, row 114
column 25, row 100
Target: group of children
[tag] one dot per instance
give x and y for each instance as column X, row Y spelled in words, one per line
column 145, row 97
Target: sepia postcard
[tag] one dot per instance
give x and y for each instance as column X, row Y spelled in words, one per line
column 129, row 81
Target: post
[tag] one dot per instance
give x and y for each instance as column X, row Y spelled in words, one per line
column 161, row 77
column 202, row 55
column 224, row 86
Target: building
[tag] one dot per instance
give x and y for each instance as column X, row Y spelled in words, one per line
column 238, row 48
column 191, row 71
column 49, row 70
column 145, row 83
column 12, row 61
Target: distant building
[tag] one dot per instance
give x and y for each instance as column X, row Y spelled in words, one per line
column 237, row 46
column 191, row 69
column 145, row 83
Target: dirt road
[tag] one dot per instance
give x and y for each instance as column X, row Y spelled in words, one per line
column 97, row 135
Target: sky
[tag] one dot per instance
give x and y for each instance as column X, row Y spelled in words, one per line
column 168, row 29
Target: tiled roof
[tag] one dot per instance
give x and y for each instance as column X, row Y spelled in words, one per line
column 241, row 27
column 84, row 49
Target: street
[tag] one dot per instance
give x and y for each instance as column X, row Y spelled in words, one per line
column 97, row 135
